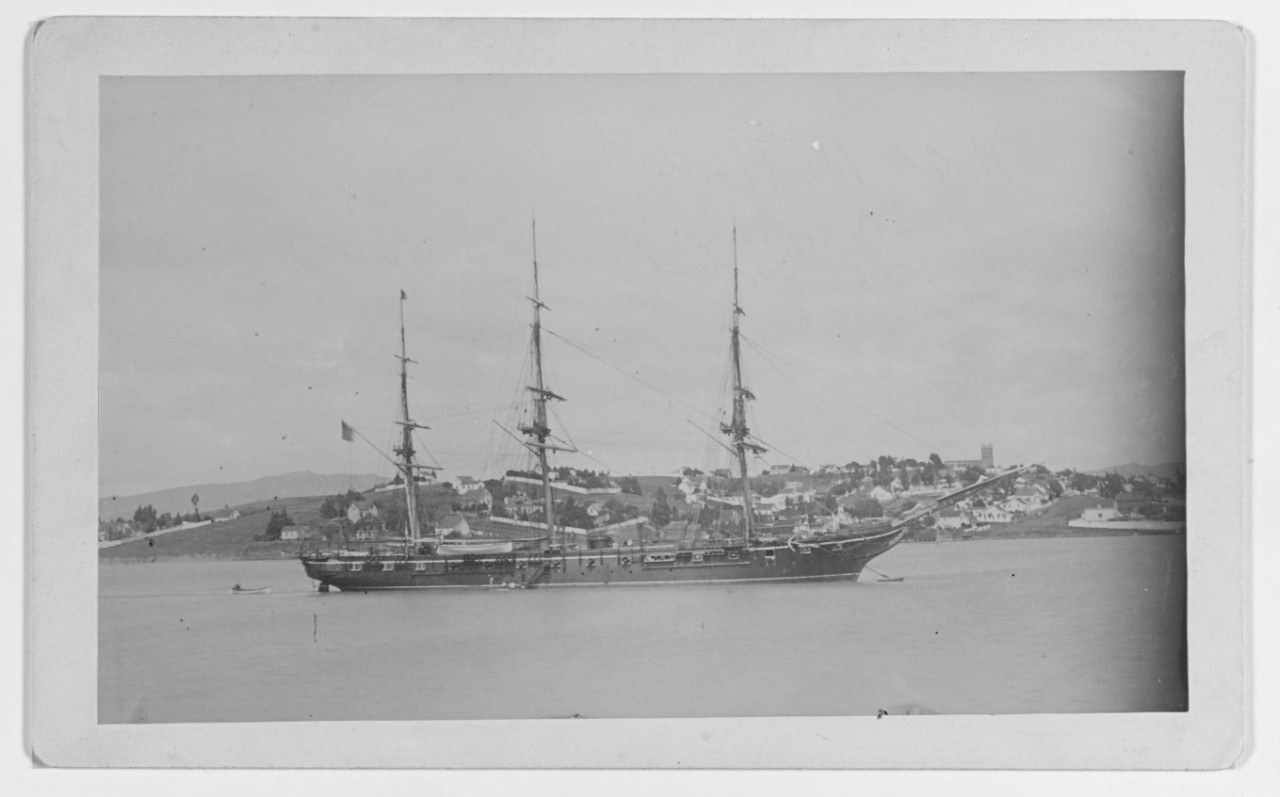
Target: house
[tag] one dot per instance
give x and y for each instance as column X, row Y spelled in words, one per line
column 881, row 494
column 449, row 524
column 779, row 470
column 692, row 487
column 476, row 499
column 1033, row 495
column 296, row 533
column 950, row 519
column 1101, row 514
column 991, row 514
column 466, row 485
column 360, row 510
column 774, row 503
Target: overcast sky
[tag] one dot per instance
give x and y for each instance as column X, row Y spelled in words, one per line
column 927, row 262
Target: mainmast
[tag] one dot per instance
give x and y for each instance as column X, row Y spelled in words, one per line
column 737, row 428
column 405, row 449
column 539, row 431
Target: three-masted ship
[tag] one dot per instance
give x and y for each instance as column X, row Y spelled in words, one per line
column 750, row 552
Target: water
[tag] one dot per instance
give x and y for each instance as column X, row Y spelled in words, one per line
column 1015, row 626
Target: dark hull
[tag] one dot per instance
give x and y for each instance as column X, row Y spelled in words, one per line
column 830, row 558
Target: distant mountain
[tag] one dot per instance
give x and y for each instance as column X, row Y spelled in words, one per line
column 214, row 497
column 1167, row 470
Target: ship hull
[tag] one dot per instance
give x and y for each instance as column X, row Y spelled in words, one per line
column 829, row 559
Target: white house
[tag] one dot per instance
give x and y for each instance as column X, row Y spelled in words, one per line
column 359, row 510
column 295, row 533
column 881, row 494
column 693, row 488
column 475, row 498
column 1100, row 514
column 467, row 485
column 1034, row 496
column 452, row 523
column 991, row 514
column 774, row 503
column 950, row 519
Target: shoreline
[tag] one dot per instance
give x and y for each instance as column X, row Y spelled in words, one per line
column 1010, row 534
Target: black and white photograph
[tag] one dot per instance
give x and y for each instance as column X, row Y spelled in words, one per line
column 822, row 359
column 587, row 395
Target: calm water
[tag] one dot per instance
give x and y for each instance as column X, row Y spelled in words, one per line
column 1018, row 626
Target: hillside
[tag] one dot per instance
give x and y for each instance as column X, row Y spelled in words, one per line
column 1165, row 470
column 213, row 497
column 225, row 539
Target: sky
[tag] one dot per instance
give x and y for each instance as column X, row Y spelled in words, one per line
column 927, row 262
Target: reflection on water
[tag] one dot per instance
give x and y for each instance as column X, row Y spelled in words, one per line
column 1017, row 626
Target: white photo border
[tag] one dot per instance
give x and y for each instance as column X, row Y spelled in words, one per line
column 67, row 56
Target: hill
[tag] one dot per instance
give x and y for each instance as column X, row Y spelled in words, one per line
column 214, row 497
column 1166, row 470
column 225, row 539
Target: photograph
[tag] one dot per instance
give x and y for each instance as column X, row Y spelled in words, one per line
column 638, row 394
column 872, row 382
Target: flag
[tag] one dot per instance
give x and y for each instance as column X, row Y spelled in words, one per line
column 402, row 295
column 347, row 432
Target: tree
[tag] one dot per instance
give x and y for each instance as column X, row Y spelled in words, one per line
column 1055, row 489
column 276, row 523
column 1111, row 485
column 630, row 484
column 927, row 474
column 571, row 513
column 970, row 475
column 661, row 514
column 1083, row 481
column 329, row 509
column 864, row 508
column 936, row 460
column 145, row 519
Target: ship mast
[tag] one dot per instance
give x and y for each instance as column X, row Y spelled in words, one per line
column 737, row 428
column 405, row 450
column 539, row 431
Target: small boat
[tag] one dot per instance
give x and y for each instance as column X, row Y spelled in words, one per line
column 239, row 590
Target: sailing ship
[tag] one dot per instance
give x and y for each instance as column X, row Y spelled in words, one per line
column 751, row 552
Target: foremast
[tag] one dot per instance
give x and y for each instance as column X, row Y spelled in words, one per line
column 408, row 468
column 737, row 429
column 538, row 432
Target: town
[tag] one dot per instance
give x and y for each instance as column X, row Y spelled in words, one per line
column 599, row 510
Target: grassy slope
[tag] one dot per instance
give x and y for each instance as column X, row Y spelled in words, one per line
column 1052, row 521
column 227, row 539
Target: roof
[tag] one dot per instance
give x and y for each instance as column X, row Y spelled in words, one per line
column 363, row 506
